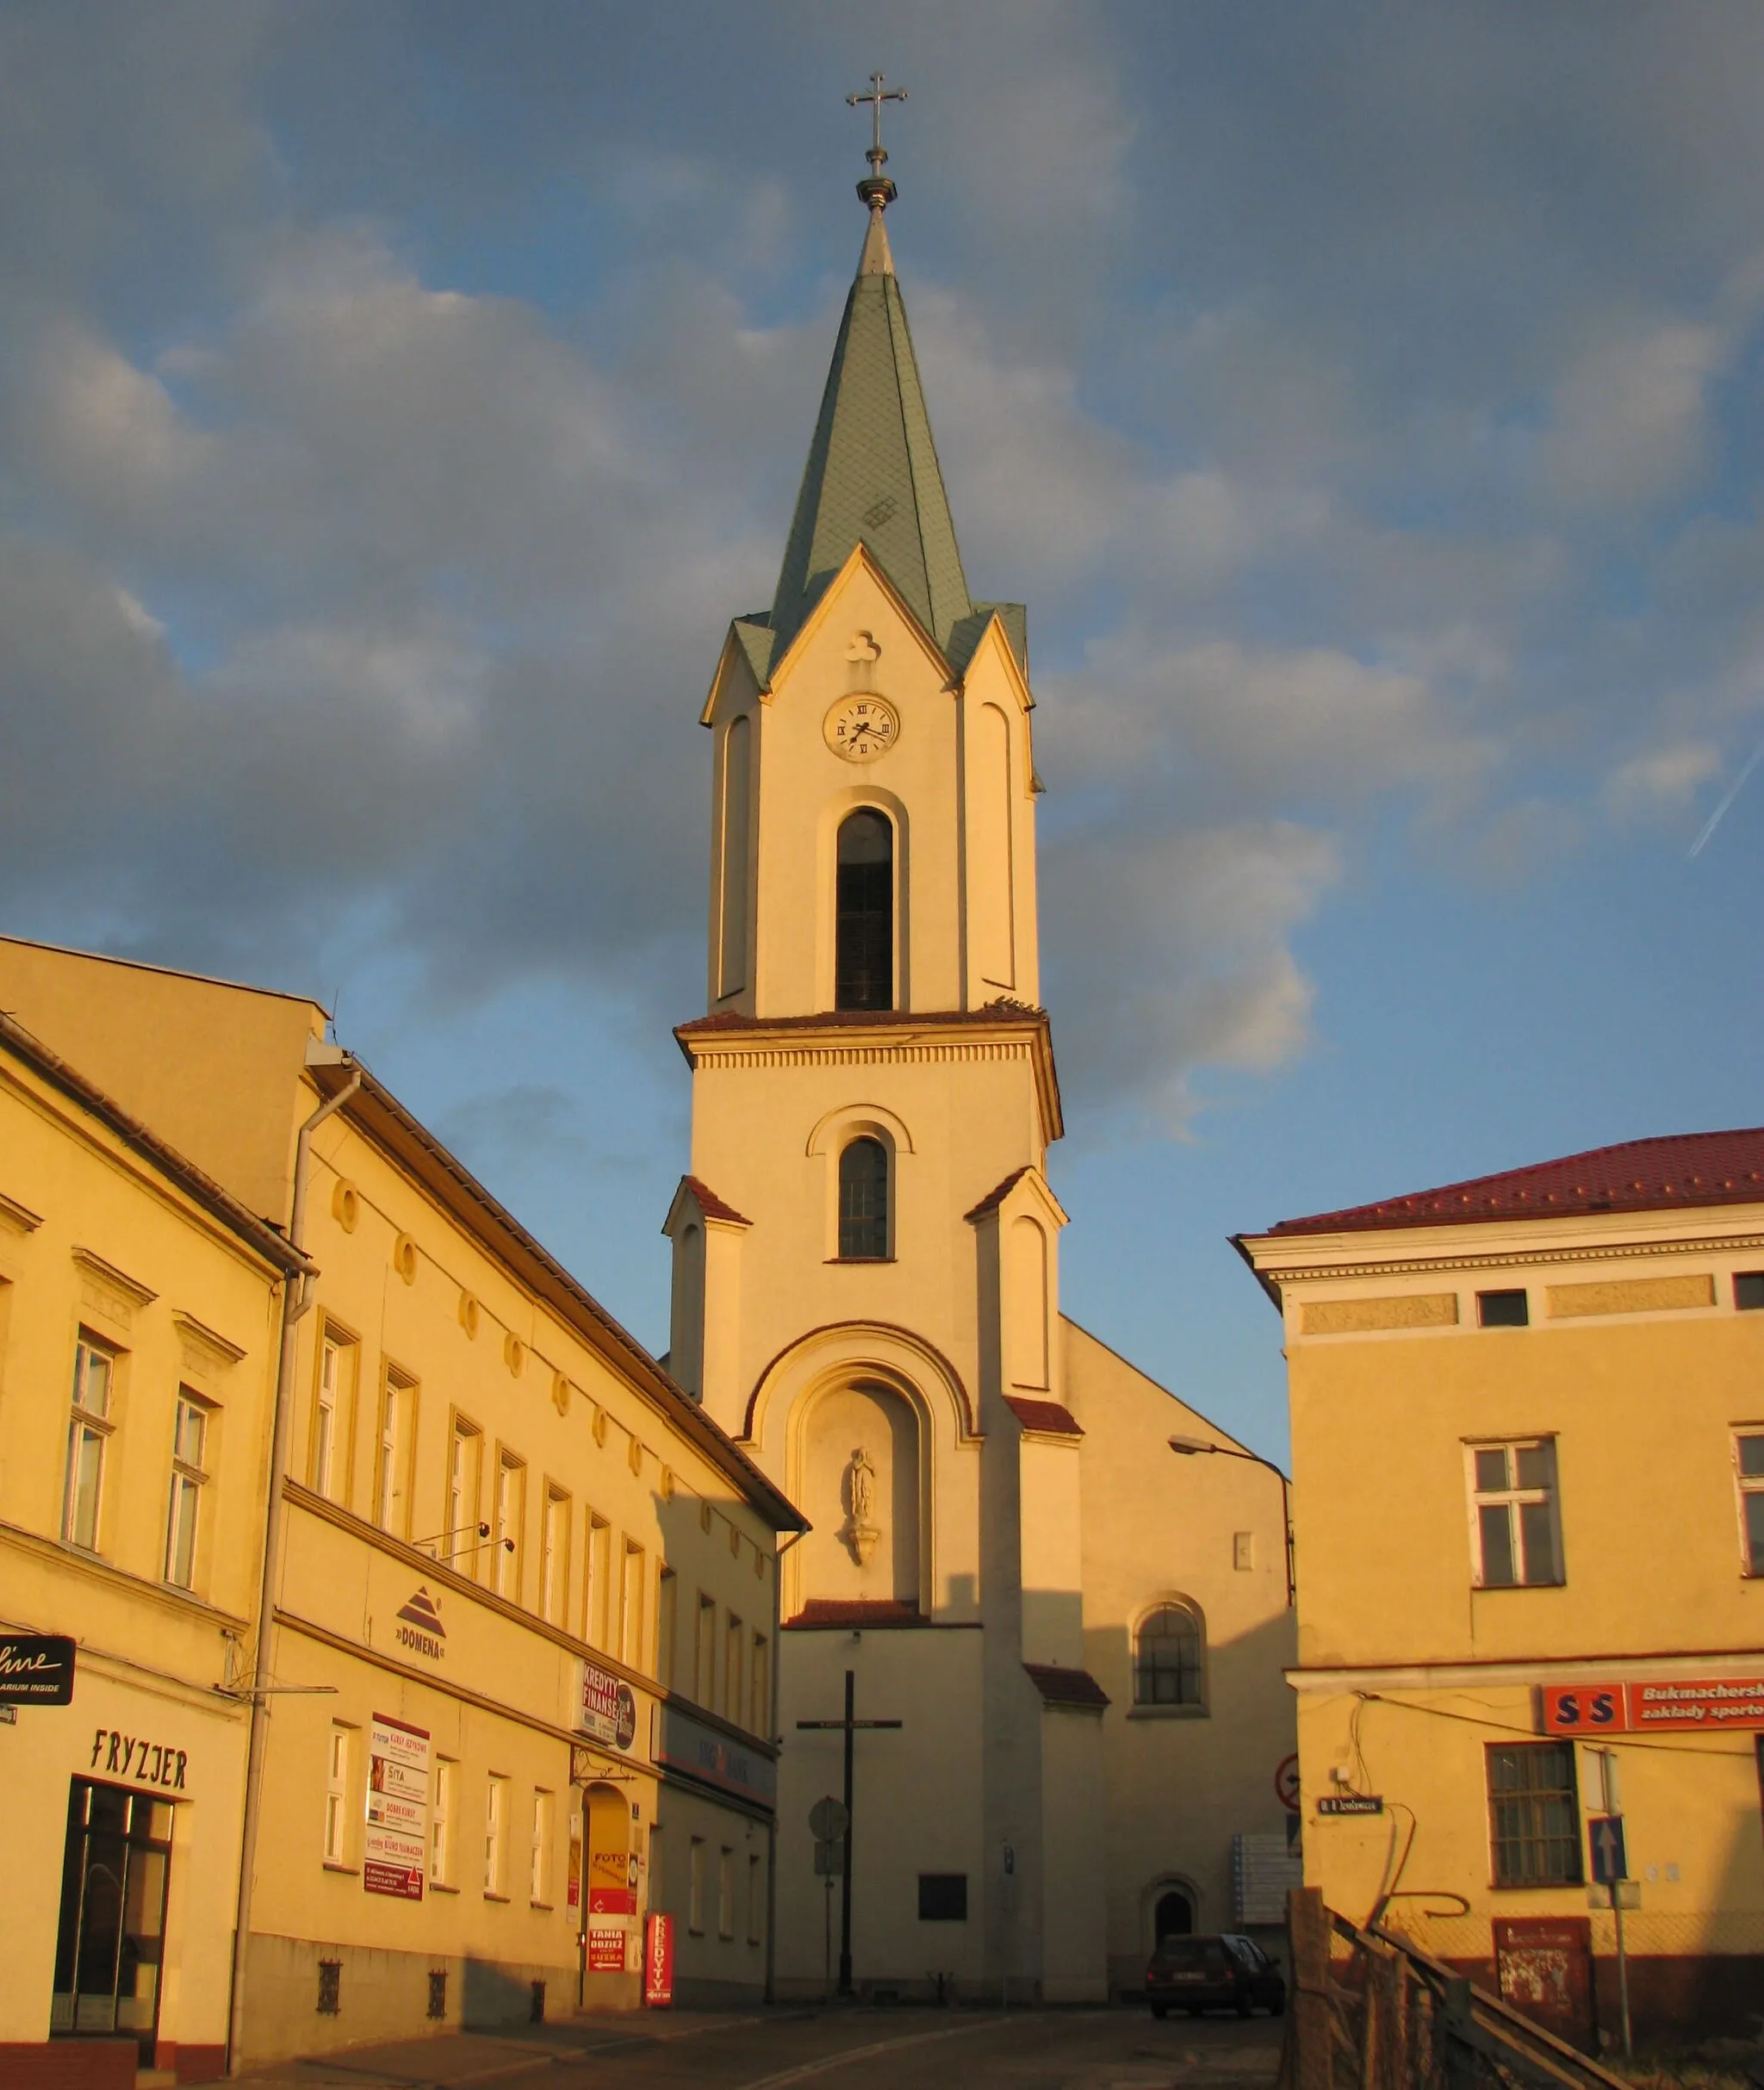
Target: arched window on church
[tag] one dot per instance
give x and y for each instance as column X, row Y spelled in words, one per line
column 863, row 967
column 1169, row 1658
column 863, row 1202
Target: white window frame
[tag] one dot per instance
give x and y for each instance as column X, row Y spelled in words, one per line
column 725, row 1894
column 441, row 1823
column 190, row 1477
column 631, row 1605
column 461, row 1543
column 495, row 1834
column 760, row 1675
column 704, row 1653
column 92, row 1426
column 554, row 1555
column 340, row 1747
column 539, row 1878
column 504, row 1544
column 695, row 1886
column 597, row 1577
column 393, row 1461
column 757, row 1899
column 1747, row 1485
column 329, row 1412
column 735, row 1648
column 667, row 1625
column 1514, row 1499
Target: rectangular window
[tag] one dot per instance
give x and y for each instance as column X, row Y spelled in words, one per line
column 1514, row 1533
column 441, row 1823
column 595, row 1592
column 698, row 1857
column 943, row 1897
column 757, row 1899
column 539, row 1891
column 337, row 1356
column 554, row 1558
column 393, row 1465
column 94, row 1390
column 511, row 1503
column 734, row 1647
column 666, row 1626
column 464, row 1470
column 496, row 1832
column 725, row 1894
column 336, row 1796
column 1748, row 1470
column 761, row 1722
column 630, row 1607
column 190, row 1474
column 1534, row 1815
column 1749, row 1290
column 704, row 1654
column 1503, row 1309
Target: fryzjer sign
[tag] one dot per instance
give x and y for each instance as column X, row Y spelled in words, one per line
column 609, row 1708
column 36, row 1668
column 1679, row 1706
column 398, row 1810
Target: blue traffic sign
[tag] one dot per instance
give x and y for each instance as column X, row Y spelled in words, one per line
column 1610, row 1861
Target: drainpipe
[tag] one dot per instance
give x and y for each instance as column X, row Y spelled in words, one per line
column 296, row 1303
column 777, row 1736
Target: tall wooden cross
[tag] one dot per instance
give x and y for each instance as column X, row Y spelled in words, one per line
column 849, row 1726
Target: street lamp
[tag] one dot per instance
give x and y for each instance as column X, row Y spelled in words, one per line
column 1190, row 1447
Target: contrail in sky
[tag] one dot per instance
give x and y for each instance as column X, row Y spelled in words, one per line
column 1733, row 791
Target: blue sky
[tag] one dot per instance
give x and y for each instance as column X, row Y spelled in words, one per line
column 396, row 402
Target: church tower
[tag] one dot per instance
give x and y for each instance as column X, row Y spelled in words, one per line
column 865, row 1251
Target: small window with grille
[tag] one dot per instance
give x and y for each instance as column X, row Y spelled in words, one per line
column 1534, row 1815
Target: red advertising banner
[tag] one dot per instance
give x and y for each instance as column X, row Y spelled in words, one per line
column 658, row 1961
column 606, row 1951
column 1677, row 1707
column 396, row 1851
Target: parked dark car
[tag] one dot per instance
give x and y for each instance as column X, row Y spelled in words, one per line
column 1224, row 1973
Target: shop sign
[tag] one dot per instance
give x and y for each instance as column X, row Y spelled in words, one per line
column 685, row 1743
column 612, row 1882
column 606, row 1951
column 397, row 1844
column 658, row 1961
column 609, row 1708
column 574, row 1899
column 1350, row 1803
column 36, row 1668
column 1669, row 1707
column 419, row 1627
column 131, row 1756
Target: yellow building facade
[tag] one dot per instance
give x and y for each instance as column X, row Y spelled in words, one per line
column 1528, row 1447
column 512, row 1691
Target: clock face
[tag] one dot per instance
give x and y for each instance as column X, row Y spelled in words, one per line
column 862, row 728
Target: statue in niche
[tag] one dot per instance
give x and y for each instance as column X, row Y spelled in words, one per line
column 861, row 1532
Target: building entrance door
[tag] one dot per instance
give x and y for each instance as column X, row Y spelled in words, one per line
column 108, row 1949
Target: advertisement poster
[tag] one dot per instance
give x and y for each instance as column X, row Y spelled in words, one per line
column 606, row 1951
column 575, row 1865
column 612, row 1882
column 397, row 1846
column 609, row 1708
column 1633, row 1709
column 658, row 1961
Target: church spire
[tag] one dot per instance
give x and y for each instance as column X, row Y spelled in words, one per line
column 872, row 475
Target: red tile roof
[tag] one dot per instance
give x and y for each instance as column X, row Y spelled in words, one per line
column 1682, row 1170
column 1066, row 1687
column 1048, row 1417
column 857, row 1613
column 712, row 1206
column 997, row 1195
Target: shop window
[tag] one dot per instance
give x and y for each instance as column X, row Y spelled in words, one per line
column 88, row 1437
column 495, row 1833
column 1748, row 1469
column 189, row 1475
column 554, row 1558
column 863, row 970
column 336, row 1768
column 863, row 1201
column 725, row 1894
column 441, row 1806
column 1503, row 1309
column 698, row 1861
column 539, row 1886
column 943, row 1897
column 1169, row 1657
column 1514, row 1528
column 109, row 1944
column 1534, row 1814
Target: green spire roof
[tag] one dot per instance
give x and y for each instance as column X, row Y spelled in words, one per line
column 872, row 475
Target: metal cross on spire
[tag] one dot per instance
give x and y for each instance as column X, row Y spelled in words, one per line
column 876, row 190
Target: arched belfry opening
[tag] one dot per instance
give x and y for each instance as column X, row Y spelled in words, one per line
column 863, row 963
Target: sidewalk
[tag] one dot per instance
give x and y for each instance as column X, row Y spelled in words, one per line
column 450, row 2061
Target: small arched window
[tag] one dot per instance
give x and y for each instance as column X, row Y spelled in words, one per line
column 863, row 965
column 863, row 1202
column 1168, row 1657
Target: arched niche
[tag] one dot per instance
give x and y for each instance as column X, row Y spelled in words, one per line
column 1026, row 1293
column 858, row 1469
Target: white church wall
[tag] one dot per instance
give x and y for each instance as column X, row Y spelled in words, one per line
column 1073, row 1842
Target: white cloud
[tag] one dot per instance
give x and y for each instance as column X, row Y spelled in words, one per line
column 1661, row 782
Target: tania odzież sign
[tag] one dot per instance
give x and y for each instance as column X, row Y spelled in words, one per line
column 397, row 1844
column 36, row 1668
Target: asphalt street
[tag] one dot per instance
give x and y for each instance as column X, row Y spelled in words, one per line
column 843, row 2049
